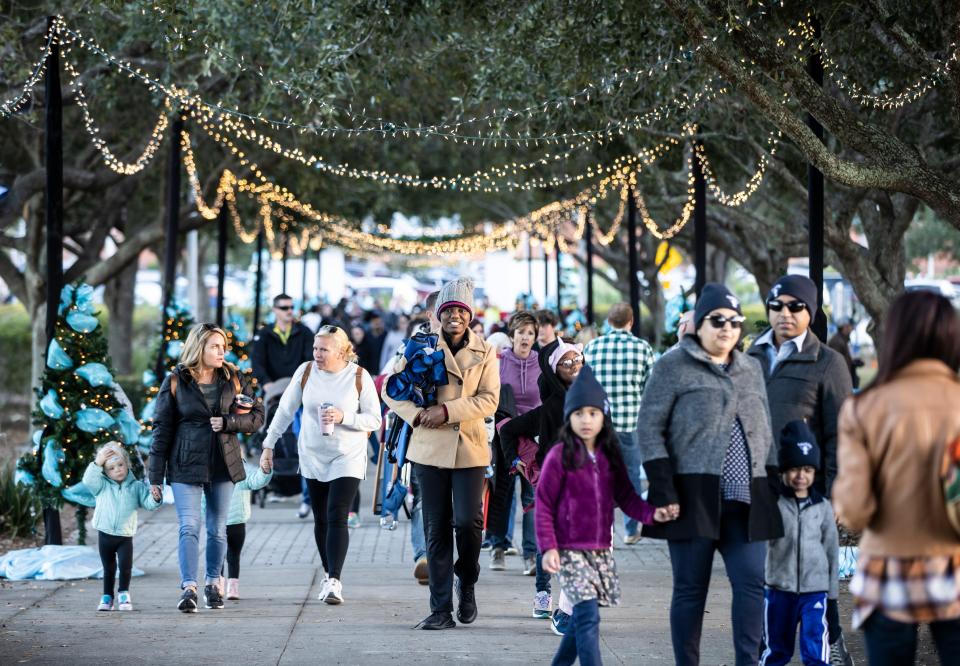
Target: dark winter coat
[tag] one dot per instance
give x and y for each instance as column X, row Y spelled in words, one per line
column 809, row 385
column 575, row 506
column 273, row 360
column 185, row 449
column 543, row 422
column 684, row 427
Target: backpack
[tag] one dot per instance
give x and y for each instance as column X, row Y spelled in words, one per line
column 950, row 482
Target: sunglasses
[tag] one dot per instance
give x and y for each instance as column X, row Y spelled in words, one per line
column 328, row 329
column 719, row 321
column 792, row 306
column 208, row 327
column 283, row 307
column 566, row 364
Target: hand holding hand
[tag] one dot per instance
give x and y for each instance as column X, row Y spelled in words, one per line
column 216, row 423
column 433, row 417
column 157, row 493
column 266, row 460
column 667, row 513
column 551, row 561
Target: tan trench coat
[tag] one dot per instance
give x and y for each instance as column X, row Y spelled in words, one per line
column 471, row 394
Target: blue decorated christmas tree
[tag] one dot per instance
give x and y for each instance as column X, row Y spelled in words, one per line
column 77, row 409
column 176, row 327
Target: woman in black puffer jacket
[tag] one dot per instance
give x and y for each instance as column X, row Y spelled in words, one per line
column 201, row 407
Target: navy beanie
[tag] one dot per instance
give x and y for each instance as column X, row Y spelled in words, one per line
column 712, row 297
column 798, row 447
column 585, row 391
column 800, row 287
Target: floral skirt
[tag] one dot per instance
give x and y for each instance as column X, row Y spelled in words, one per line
column 589, row 574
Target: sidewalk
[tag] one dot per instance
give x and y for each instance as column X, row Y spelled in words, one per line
column 279, row 620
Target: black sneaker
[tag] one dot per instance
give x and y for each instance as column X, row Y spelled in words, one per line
column 212, row 597
column 467, row 610
column 436, row 621
column 188, row 601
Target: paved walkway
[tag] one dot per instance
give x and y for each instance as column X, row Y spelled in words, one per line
column 279, row 620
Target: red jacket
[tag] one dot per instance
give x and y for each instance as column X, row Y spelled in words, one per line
column 575, row 507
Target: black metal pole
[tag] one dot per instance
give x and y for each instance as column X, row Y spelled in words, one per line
column 530, row 268
column 588, row 236
column 546, row 273
column 556, row 254
column 283, row 262
column 815, row 192
column 258, row 284
column 221, row 260
column 172, row 230
column 634, row 261
column 699, row 225
column 319, row 273
column 303, row 278
column 53, row 159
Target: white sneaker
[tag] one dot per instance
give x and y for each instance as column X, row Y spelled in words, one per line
column 304, row 510
column 324, row 588
column 123, row 602
column 334, row 592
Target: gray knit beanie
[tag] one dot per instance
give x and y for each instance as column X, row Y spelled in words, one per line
column 456, row 293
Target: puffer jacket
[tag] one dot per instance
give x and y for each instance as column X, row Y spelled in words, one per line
column 807, row 557
column 185, row 448
column 117, row 503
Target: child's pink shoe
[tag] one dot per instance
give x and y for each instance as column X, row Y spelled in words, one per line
column 233, row 588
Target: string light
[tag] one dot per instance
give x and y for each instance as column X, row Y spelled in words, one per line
column 18, row 103
column 753, row 184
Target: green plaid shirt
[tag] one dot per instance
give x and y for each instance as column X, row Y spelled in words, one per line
column 622, row 364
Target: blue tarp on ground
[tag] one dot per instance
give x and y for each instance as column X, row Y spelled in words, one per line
column 53, row 563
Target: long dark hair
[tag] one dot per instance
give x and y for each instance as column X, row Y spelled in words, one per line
column 574, row 453
column 919, row 324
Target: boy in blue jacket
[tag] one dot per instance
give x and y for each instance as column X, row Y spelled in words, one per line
column 802, row 566
column 119, row 494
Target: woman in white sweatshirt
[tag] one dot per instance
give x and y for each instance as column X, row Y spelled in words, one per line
column 333, row 464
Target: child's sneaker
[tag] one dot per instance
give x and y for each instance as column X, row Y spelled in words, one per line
column 106, row 603
column 353, row 520
column 559, row 622
column 233, row 589
column 542, row 603
column 123, row 602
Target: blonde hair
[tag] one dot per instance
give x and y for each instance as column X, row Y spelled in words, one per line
column 340, row 337
column 117, row 448
column 192, row 355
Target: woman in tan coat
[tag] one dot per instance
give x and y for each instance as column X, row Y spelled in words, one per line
column 892, row 437
column 450, row 453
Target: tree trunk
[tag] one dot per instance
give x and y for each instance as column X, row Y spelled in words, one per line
column 119, row 297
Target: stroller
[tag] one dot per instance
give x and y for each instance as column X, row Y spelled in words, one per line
column 286, row 460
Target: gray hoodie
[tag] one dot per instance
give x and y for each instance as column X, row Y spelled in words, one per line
column 806, row 558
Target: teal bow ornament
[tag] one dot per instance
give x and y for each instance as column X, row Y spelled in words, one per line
column 53, row 457
column 57, row 359
column 129, row 427
column 93, row 419
column 50, row 405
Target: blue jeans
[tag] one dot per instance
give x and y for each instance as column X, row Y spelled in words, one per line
column 783, row 611
column 692, row 563
column 630, row 450
column 186, row 497
column 582, row 638
column 890, row 643
column 417, row 539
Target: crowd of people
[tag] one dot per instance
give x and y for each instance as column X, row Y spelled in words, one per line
column 753, row 449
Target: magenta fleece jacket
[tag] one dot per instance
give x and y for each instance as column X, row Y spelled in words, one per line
column 575, row 507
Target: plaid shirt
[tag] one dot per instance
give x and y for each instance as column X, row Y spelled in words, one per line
column 911, row 589
column 622, row 364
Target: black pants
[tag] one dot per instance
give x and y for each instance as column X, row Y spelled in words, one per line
column 498, row 511
column 892, row 643
column 112, row 549
column 452, row 503
column 331, row 501
column 236, row 535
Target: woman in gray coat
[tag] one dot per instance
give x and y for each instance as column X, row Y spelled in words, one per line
column 704, row 433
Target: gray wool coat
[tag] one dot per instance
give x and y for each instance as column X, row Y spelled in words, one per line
column 809, row 385
column 684, row 427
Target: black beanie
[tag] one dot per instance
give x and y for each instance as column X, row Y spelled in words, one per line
column 585, row 391
column 713, row 297
column 798, row 447
column 800, row 287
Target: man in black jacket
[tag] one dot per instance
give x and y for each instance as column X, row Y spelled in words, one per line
column 806, row 380
column 278, row 351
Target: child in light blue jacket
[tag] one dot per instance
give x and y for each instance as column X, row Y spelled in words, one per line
column 119, row 494
column 237, row 519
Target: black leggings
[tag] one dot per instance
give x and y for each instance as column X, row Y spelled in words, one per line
column 236, row 535
column 330, row 501
column 112, row 549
